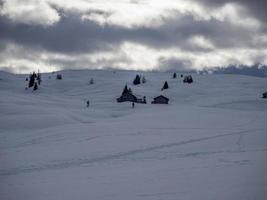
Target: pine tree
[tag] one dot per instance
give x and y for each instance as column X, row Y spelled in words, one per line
column 190, row 79
column 31, row 82
column 136, row 80
column 165, row 86
column 143, row 79
column 35, row 86
column 39, row 78
column 185, row 79
column 125, row 90
column 130, row 90
column 92, row 81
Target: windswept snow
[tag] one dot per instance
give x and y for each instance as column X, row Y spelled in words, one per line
column 210, row 142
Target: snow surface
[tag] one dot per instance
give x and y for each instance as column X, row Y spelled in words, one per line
column 209, row 143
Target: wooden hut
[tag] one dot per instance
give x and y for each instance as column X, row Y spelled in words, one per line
column 59, row 76
column 127, row 97
column 160, row 100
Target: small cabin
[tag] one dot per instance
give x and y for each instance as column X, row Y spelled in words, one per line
column 59, row 76
column 160, row 100
column 264, row 95
column 127, row 97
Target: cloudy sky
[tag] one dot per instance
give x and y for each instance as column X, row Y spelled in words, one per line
column 131, row 34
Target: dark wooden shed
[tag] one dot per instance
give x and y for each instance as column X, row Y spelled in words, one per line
column 59, row 76
column 160, row 100
column 127, row 97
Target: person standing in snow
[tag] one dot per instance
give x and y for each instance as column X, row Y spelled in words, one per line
column 132, row 104
column 144, row 99
column 26, row 87
column 87, row 103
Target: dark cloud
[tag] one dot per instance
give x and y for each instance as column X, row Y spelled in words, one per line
column 72, row 35
column 255, row 7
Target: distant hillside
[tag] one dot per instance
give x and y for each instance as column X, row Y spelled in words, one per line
column 254, row 70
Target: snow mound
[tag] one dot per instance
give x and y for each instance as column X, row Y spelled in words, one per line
column 209, row 142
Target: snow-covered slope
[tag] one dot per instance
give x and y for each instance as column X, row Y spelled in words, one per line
column 210, row 142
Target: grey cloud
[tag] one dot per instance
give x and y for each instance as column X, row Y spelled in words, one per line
column 87, row 63
column 255, row 7
column 72, row 36
column 174, row 63
column 69, row 35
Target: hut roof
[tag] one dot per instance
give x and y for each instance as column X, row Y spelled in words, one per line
column 161, row 96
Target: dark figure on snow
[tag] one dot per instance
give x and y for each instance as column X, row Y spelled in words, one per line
column 144, row 99
column 39, row 78
column 87, row 103
column 133, row 105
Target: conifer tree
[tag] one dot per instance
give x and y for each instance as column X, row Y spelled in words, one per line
column 35, row 86
column 130, row 90
column 92, row 81
column 165, row 86
column 125, row 90
column 136, row 80
column 143, row 79
column 31, row 82
column 39, row 78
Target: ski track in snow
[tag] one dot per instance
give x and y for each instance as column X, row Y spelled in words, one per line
column 79, row 162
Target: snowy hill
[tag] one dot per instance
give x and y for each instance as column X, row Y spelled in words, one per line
column 209, row 142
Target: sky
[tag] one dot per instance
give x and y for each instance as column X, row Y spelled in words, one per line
column 54, row 35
